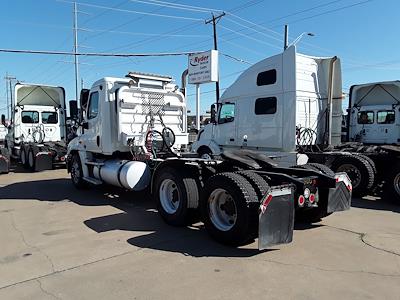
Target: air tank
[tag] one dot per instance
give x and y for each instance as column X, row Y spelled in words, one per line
column 132, row 175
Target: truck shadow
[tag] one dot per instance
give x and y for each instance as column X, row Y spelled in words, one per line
column 375, row 204
column 139, row 216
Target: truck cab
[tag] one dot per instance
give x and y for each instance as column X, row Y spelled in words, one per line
column 374, row 113
column 270, row 102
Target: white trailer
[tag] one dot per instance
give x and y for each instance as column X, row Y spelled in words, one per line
column 37, row 133
column 134, row 135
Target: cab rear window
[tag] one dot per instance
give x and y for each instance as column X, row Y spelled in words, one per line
column 49, row 117
column 30, row 117
column 365, row 117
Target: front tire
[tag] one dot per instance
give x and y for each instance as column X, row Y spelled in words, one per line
column 230, row 209
column 77, row 173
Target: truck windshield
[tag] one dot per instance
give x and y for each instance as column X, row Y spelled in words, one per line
column 385, row 117
column 29, row 117
column 366, row 117
column 49, row 117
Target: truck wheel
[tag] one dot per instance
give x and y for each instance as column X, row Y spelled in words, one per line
column 359, row 171
column 76, row 172
column 31, row 159
column 205, row 153
column 373, row 166
column 230, row 209
column 259, row 184
column 23, row 157
column 322, row 168
column 175, row 191
column 391, row 186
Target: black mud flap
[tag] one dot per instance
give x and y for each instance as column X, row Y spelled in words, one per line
column 44, row 161
column 339, row 198
column 4, row 164
column 276, row 218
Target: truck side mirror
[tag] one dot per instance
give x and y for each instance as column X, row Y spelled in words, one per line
column 85, row 125
column 73, row 109
column 3, row 120
column 84, row 98
column 213, row 114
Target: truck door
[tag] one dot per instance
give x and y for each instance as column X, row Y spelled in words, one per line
column 225, row 130
column 92, row 124
column 387, row 129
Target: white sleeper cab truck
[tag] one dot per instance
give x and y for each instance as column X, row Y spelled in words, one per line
column 266, row 106
column 37, row 134
column 134, row 135
column 372, row 141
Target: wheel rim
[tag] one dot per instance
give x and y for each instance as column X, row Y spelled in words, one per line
column 75, row 172
column 23, row 158
column 396, row 183
column 169, row 196
column 353, row 172
column 30, row 159
column 222, row 209
column 206, row 156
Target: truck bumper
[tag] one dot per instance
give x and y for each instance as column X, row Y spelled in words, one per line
column 276, row 218
column 339, row 198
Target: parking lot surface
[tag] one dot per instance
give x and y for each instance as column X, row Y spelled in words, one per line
column 104, row 243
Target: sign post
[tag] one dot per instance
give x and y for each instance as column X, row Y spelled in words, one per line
column 203, row 68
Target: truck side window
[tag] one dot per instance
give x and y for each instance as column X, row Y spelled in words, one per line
column 365, row 117
column 226, row 113
column 30, row 117
column 265, row 106
column 266, row 78
column 49, row 117
column 93, row 107
column 386, row 117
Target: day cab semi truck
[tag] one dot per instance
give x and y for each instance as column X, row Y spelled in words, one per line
column 37, row 133
column 134, row 135
column 372, row 140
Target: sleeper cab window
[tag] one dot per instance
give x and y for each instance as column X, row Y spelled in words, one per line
column 365, row 117
column 265, row 106
column 385, row 117
column 93, row 108
column 266, row 78
column 30, row 117
column 226, row 113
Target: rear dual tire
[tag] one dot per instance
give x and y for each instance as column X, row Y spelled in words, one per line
column 230, row 207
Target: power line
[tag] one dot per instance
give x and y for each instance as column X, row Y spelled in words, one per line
column 97, row 54
column 144, row 33
column 179, row 6
column 133, row 11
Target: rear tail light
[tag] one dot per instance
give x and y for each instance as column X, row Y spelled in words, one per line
column 312, row 198
column 301, row 200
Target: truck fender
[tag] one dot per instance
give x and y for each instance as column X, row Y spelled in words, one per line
column 206, row 144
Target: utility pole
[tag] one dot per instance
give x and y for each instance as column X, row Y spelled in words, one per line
column 214, row 20
column 9, row 80
column 75, row 52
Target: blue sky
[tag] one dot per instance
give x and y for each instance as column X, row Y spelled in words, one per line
column 363, row 33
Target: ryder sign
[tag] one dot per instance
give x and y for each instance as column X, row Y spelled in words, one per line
column 203, row 67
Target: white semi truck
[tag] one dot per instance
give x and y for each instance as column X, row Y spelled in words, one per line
column 37, row 133
column 372, row 140
column 134, row 135
column 302, row 96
